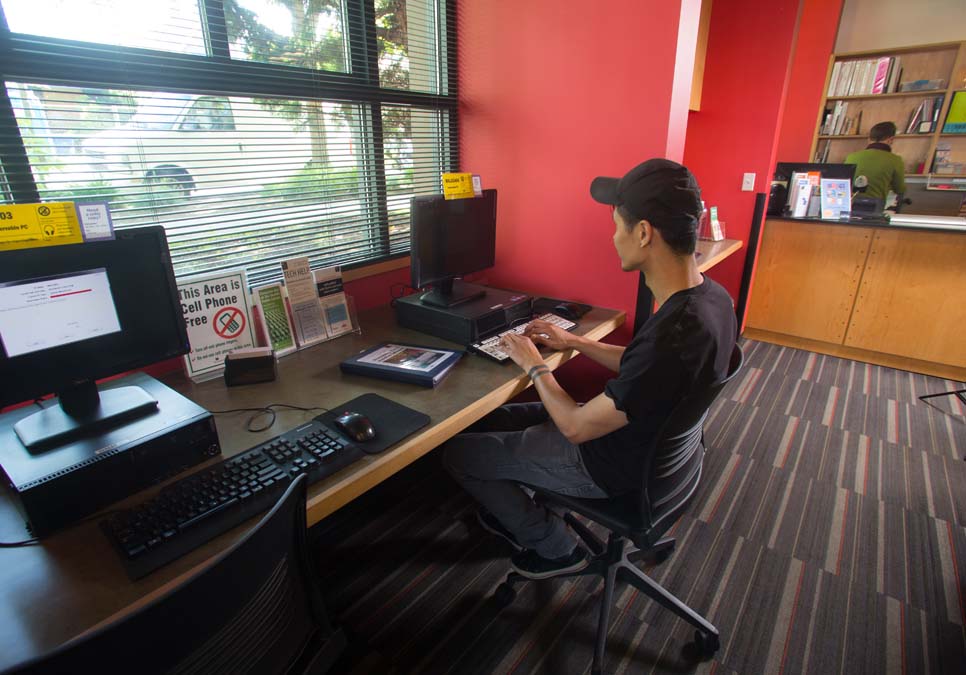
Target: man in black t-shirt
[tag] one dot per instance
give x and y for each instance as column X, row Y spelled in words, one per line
column 596, row 450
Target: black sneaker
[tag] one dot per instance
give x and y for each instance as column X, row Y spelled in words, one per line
column 532, row 565
column 491, row 524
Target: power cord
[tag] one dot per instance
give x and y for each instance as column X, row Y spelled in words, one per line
column 265, row 410
column 399, row 290
column 33, row 541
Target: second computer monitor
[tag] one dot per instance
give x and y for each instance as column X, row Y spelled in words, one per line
column 450, row 238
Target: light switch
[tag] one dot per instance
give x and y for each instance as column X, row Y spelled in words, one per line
column 748, row 183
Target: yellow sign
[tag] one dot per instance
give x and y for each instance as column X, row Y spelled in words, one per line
column 461, row 185
column 35, row 225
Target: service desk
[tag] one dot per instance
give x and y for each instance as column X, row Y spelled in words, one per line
column 883, row 293
column 73, row 580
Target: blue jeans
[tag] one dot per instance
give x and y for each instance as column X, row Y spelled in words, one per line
column 519, row 442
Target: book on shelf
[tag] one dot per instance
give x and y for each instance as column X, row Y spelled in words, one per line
column 834, row 78
column 895, row 75
column 414, row 364
column 925, row 121
column 862, row 77
column 914, row 118
column 956, row 117
column 881, row 75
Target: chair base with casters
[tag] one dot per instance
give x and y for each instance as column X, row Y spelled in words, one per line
column 615, row 561
column 958, row 393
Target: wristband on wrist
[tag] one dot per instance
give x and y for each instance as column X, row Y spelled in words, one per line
column 537, row 371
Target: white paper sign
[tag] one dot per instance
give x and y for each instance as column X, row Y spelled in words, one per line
column 217, row 313
column 95, row 220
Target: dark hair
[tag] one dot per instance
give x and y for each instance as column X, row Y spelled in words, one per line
column 882, row 131
column 679, row 231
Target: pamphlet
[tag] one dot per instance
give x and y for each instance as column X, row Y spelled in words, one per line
column 801, row 193
column 836, row 198
column 217, row 315
column 273, row 319
column 716, row 233
column 304, row 302
column 331, row 297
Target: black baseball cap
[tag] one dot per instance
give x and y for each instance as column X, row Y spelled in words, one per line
column 660, row 191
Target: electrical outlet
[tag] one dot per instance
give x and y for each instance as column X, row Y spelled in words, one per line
column 748, row 183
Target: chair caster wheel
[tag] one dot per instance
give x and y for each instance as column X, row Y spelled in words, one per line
column 705, row 645
column 504, row 595
column 662, row 555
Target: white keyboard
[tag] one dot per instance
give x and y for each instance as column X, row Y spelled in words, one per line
column 490, row 347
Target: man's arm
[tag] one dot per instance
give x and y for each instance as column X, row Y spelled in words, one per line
column 899, row 178
column 578, row 423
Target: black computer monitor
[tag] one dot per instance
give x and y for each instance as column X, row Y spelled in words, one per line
column 450, row 238
column 70, row 315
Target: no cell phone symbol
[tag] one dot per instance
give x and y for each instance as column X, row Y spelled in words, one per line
column 229, row 322
column 44, row 210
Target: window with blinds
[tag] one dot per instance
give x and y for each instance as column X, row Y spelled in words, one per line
column 252, row 130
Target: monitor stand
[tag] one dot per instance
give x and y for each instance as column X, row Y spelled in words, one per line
column 80, row 411
column 451, row 292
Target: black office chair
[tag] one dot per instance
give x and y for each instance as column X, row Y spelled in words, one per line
column 257, row 608
column 637, row 522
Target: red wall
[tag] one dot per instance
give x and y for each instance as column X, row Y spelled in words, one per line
column 817, row 28
column 763, row 82
column 749, row 46
column 551, row 95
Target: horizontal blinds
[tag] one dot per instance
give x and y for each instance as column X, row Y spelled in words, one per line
column 244, row 180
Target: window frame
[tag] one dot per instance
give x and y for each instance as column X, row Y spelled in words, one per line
column 43, row 60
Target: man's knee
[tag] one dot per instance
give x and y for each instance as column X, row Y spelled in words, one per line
column 457, row 455
column 470, row 455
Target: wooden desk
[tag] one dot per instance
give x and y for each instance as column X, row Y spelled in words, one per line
column 73, row 581
column 879, row 293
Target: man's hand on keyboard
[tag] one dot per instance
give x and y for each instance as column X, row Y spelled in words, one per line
column 545, row 333
column 522, row 350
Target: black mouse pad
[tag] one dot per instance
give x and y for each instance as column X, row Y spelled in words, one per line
column 392, row 421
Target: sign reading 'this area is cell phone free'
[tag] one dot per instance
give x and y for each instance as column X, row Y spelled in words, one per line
column 217, row 313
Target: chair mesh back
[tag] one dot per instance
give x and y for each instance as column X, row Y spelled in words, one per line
column 673, row 469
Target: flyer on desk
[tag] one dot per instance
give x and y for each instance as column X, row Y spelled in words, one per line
column 335, row 305
column 403, row 362
column 836, row 198
column 304, row 301
column 274, row 322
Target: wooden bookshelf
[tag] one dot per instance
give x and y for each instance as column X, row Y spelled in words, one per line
column 945, row 61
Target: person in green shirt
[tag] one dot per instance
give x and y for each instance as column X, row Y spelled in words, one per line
column 883, row 169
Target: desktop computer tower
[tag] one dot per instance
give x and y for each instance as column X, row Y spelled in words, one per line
column 468, row 322
column 61, row 485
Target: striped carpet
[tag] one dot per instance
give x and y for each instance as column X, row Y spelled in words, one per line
column 828, row 536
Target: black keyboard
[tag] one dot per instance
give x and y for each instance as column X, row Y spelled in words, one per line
column 199, row 507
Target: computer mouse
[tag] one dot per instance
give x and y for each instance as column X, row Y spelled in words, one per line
column 356, row 426
column 566, row 310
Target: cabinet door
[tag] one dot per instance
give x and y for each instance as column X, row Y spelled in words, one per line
column 806, row 279
column 910, row 302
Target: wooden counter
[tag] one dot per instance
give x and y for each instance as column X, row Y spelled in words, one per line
column 876, row 293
